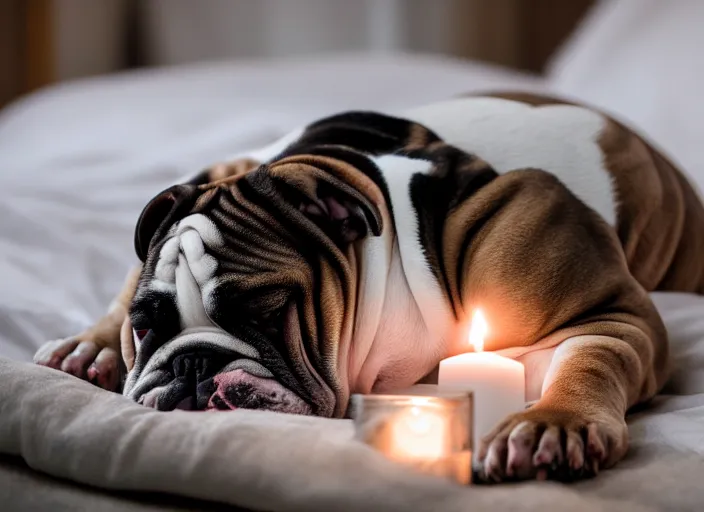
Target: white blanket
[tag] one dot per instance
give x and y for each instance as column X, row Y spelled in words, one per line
column 276, row 462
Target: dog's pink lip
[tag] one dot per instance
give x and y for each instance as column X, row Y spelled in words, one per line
column 268, row 392
column 140, row 334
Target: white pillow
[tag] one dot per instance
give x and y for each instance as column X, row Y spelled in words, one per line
column 642, row 61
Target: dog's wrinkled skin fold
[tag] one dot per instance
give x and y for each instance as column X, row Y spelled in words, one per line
column 349, row 257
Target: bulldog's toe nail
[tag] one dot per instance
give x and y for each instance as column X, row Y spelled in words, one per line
column 44, row 356
column 494, row 473
column 76, row 362
column 106, row 360
column 595, row 445
column 53, row 353
column 53, row 362
column 542, row 458
column 521, row 443
column 105, row 369
column 71, row 365
column 549, row 450
column 493, row 463
column 496, row 455
column 489, row 464
column 92, row 372
column 575, row 450
column 100, row 378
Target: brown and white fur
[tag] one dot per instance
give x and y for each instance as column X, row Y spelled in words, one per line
column 560, row 249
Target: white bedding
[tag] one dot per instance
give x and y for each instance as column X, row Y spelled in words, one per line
column 69, row 428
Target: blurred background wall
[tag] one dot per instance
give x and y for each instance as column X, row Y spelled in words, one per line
column 48, row 41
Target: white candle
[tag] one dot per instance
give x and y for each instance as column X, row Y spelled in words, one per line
column 497, row 383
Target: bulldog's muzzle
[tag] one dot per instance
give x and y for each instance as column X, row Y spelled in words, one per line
column 209, row 369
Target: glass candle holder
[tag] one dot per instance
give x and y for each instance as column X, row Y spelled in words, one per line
column 432, row 434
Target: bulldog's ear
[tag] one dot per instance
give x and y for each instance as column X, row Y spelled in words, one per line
column 344, row 215
column 161, row 213
column 340, row 210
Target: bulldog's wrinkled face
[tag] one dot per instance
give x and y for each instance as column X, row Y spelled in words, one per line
column 251, row 278
column 248, row 289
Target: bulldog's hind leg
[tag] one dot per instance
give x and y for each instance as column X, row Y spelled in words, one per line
column 548, row 273
column 94, row 354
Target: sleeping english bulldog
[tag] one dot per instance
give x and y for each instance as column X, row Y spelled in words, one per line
column 349, row 256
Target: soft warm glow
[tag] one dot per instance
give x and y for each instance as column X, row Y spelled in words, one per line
column 419, row 433
column 478, row 330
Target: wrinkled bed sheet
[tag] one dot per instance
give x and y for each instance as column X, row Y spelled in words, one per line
column 271, row 461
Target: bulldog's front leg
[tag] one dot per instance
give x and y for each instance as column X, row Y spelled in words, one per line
column 102, row 353
column 94, row 354
column 578, row 425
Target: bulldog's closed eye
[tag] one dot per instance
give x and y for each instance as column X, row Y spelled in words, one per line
column 268, row 322
column 266, row 318
column 270, row 315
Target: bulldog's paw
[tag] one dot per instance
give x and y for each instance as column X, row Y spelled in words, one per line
column 545, row 443
column 84, row 359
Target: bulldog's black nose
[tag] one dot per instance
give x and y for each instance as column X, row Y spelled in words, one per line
column 193, row 385
column 194, row 365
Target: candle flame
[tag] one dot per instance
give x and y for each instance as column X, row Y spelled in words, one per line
column 419, row 433
column 478, row 330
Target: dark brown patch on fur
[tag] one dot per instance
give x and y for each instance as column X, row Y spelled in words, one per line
column 659, row 214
